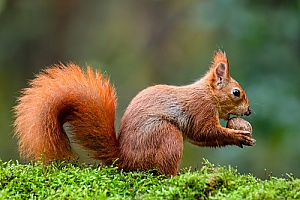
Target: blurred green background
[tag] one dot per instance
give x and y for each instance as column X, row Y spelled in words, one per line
column 141, row 43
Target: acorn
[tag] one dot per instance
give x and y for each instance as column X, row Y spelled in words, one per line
column 238, row 123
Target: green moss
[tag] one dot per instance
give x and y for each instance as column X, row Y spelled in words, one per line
column 62, row 180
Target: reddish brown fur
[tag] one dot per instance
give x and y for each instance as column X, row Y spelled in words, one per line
column 152, row 129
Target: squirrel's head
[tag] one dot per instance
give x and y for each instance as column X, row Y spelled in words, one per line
column 229, row 97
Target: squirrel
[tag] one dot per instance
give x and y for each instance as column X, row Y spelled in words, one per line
column 152, row 130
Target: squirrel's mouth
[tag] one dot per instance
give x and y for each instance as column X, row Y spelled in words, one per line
column 226, row 116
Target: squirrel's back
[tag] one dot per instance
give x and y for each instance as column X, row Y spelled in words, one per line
column 60, row 94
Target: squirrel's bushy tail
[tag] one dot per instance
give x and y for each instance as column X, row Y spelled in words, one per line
column 60, row 94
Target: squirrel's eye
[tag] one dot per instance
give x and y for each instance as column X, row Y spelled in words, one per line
column 236, row 92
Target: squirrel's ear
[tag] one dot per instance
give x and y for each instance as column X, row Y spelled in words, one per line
column 220, row 69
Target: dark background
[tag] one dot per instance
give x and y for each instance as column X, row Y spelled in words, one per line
column 142, row 43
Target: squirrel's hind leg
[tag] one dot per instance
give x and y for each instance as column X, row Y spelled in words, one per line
column 158, row 146
column 169, row 154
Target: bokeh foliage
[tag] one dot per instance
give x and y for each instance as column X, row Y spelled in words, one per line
column 141, row 43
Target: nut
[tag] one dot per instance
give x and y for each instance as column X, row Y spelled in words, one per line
column 238, row 123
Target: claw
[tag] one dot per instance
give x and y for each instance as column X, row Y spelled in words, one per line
column 253, row 142
column 240, row 145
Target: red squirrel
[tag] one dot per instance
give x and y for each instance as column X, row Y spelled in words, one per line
column 152, row 129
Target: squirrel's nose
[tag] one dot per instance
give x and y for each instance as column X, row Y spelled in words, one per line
column 248, row 112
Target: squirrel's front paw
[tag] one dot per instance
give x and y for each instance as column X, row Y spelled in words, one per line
column 244, row 138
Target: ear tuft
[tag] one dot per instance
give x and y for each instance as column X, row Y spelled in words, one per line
column 220, row 56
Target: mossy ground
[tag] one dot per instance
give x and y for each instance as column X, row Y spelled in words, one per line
column 62, row 180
